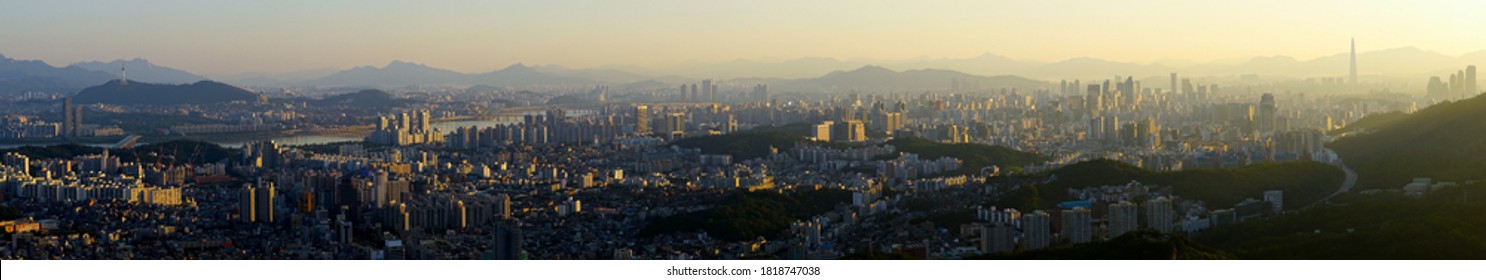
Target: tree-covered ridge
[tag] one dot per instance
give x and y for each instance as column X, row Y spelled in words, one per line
column 1446, row 141
column 1302, row 182
column 1137, row 245
column 174, row 151
column 1371, row 122
column 1445, row 224
column 973, row 157
column 746, row 215
column 203, row 92
column 742, row 146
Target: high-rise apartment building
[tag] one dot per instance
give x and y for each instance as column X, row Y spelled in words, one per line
column 1160, row 215
column 1122, row 218
column 1036, row 230
column 1077, row 225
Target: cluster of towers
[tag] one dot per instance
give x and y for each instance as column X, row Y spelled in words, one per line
column 706, row 92
column 72, row 118
column 408, row 128
column 1462, row 84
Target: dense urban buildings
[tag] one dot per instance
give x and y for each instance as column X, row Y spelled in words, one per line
column 965, row 167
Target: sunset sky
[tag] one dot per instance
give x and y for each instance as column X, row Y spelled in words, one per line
column 223, row 37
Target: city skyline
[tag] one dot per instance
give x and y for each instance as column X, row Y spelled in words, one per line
column 768, row 131
column 475, row 37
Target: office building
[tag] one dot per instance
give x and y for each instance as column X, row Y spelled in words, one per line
column 822, row 131
column 642, row 119
column 1268, row 114
column 848, row 131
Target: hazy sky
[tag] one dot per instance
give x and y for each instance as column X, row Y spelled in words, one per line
column 221, row 37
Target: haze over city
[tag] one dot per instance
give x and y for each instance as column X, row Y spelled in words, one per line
column 218, row 38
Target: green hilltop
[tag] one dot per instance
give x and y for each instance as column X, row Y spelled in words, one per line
column 1446, row 142
column 1444, row 224
column 1138, row 245
column 203, row 92
column 1303, row 182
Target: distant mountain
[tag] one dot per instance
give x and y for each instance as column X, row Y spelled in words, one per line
column 396, row 73
column 278, row 79
column 1407, row 62
column 790, row 69
column 985, row 64
column 1303, row 182
column 646, row 84
column 1446, row 142
column 521, row 75
column 143, row 71
column 399, row 73
column 1085, row 67
column 21, row 76
column 878, row 78
column 203, row 92
column 364, row 98
column 614, row 76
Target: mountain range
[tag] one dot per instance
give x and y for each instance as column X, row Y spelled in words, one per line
column 989, row 70
column 1445, row 142
column 142, row 70
column 202, row 92
column 21, row 76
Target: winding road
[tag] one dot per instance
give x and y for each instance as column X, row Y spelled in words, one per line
column 1347, row 184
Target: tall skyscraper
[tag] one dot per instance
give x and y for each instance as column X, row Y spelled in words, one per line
column 72, row 118
column 379, row 188
column 1457, row 85
column 1173, row 84
column 1354, row 60
column 1470, row 81
column 503, row 206
column 1437, row 88
column 245, row 204
column 67, row 117
column 263, row 197
column 1267, row 113
column 642, row 119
